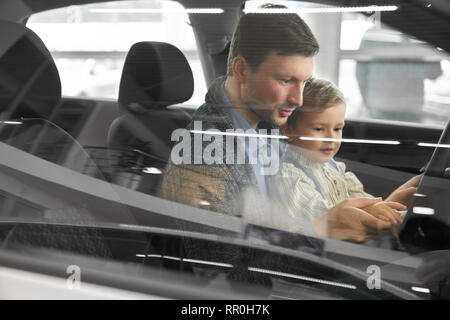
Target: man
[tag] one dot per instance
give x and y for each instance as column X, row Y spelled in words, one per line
column 270, row 60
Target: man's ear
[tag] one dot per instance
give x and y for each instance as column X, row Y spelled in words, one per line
column 240, row 69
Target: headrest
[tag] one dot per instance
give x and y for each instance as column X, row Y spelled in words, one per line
column 155, row 75
column 29, row 81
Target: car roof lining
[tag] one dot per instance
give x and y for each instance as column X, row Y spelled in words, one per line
column 436, row 17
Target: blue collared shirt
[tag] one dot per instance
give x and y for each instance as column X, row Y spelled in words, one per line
column 240, row 123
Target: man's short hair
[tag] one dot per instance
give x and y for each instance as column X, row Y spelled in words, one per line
column 318, row 95
column 259, row 34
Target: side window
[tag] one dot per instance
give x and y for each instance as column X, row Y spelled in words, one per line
column 89, row 43
column 387, row 75
column 383, row 73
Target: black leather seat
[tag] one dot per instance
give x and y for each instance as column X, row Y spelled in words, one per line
column 30, row 86
column 156, row 76
column 30, row 92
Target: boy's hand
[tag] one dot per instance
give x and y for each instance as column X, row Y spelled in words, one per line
column 405, row 192
column 387, row 211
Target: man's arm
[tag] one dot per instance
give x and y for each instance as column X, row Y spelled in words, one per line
column 195, row 185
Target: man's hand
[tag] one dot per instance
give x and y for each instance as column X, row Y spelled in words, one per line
column 387, row 211
column 347, row 221
column 405, row 192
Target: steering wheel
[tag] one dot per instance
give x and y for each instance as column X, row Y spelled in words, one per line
column 422, row 232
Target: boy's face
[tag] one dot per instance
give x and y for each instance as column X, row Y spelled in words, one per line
column 315, row 124
column 275, row 88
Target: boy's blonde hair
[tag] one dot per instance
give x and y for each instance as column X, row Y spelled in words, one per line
column 318, row 95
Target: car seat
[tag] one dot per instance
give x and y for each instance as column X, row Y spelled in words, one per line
column 155, row 77
column 30, row 90
column 30, row 94
column 30, row 86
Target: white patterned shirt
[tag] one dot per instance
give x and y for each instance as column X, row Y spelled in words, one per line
column 309, row 189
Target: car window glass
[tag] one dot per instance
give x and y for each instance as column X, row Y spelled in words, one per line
column 394, row 86
column 383, row 73
column 89, row 42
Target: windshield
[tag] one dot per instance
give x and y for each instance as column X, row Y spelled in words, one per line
column 316, row 171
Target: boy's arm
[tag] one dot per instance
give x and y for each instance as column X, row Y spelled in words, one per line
column 386, row 210
column 354, row 186
column 405, row 192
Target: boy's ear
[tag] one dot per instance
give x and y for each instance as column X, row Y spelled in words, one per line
column 287, row 131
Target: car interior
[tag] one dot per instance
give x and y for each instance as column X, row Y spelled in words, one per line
column 126, row 131
column 127, row 143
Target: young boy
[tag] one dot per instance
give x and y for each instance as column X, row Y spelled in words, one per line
column 311, row 181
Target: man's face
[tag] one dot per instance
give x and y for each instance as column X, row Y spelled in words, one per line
column 275, row 88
